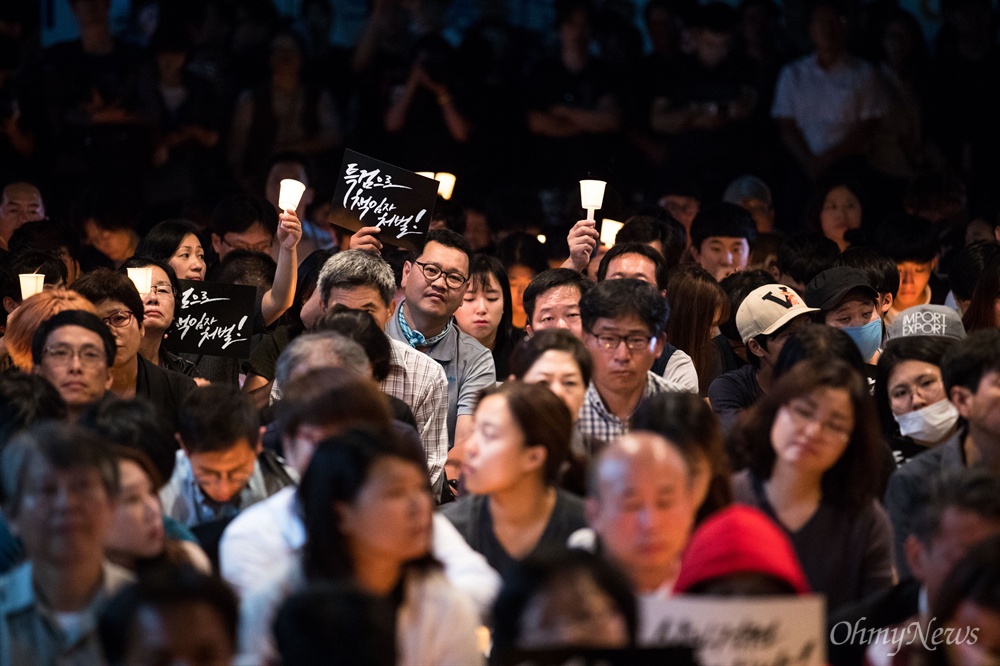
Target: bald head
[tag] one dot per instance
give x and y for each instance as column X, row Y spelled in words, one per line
column 641, row 504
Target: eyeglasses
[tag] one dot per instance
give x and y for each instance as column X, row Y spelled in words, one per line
column 432, row 272
column 926, row 387
column 263, row 246
column 63, row 355
column 634, row 343
column 118, row 319
column 802, row 415
column 160, row 290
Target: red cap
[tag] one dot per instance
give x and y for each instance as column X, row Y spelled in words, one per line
column 739, row 539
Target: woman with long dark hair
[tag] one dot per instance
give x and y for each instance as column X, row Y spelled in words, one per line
column 813, row 444
column 177, row 243
column 367, row 508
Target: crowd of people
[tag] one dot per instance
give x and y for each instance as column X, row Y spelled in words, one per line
column 781, row 377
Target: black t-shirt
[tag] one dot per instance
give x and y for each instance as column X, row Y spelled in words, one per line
column 471, row 517
column 732, row 392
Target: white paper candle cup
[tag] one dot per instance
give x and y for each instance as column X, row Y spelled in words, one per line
column 592, row 193
column 142, row 278
column 31, row 284
column 446, row 184
column 609, row 230
column 290, row 194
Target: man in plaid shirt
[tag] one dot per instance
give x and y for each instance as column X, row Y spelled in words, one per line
column 624, row 325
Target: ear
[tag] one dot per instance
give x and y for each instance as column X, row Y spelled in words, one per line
column 180, row 442
column 916, row 557
column 407, row 267
column 527, row 331
column 775, row 273
column 695, row 254
column 216, row 243
column 934, row 264
column 754, row 347
column 110, row 380
column 9, row 304
column 345, row 517
column 885, row 302
column 962, row 398
column 534, row 457
column 511, row 378
column 659, row 343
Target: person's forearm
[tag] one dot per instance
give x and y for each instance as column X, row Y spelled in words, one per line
column 282, row 292
column 395, row 117
column 457, row 125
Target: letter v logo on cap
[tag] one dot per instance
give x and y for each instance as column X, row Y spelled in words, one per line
column 787, row 302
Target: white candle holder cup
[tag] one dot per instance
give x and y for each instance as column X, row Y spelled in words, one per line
column 31, row 284
column 290, row 194
column 142, row 278
column 592, row 195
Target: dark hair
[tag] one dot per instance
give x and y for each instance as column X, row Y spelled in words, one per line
column 109, row 208
column 240, row 212
column 64, row 447
column 162, row 240
column 968, row 265
column 981, row 313
column 45, row 236
column 73, row 318
column 178, row 589
column 215, row 418
column 975, row 578
column 903, row 237
column 451, row 213
column 246, row 267
column 306, row 282
column 613, row 299
column 30, row 261
column 544, row 420
column 361, row 327
column 721, row 219
column 969, row 489
column 338, row 471
column 687, row 422
column 293, row 157
column 853, row 480
column 554, row 339
column 938, row 193
column 451, row 239
column 104, row 284
column 335, row 623
column 738, row 286
column 551, row 279
column 482, row 267
column 817, row 199
column 659, row 263
column 24, row 400
column 690, row 326
column 135, row 424
column 536, row 575
column 657, row 226
column 818, row 342
column 929, row 349
column 521, row 249
column 966, row 363
column 881, row 271
column 805, row 255
column 327, row 396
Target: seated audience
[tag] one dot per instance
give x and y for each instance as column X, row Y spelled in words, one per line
column 624, row 322
column 722, row 235
column 220, row 468
column 51, row 476
column 765, row 320
column 485, row 313
column 847, row 301
column 367, row 511
column 176, row 243
column 704, row 305
column 552, row 300
column 881, row 271
column 74, row 351
column 181, row 617
column 520, row 438
column 981, row 312
column 567, row 599
column 803, row 256
column 813, row 447
column 29, row 316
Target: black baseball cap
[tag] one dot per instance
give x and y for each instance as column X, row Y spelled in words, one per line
column 829, row 288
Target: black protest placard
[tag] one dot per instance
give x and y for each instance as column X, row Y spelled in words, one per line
column 213, row 319
column 372, row 193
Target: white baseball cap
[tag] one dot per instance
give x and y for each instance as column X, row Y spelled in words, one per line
column 768, row 308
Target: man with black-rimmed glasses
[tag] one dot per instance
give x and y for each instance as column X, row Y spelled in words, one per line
column 624, row 326
column 434, row 284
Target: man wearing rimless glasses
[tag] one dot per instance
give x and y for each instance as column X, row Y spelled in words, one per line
column 120, row 306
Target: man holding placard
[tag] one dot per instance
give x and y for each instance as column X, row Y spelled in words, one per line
column 434, row 284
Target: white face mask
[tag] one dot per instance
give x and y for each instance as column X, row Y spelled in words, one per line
column 929, row 424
